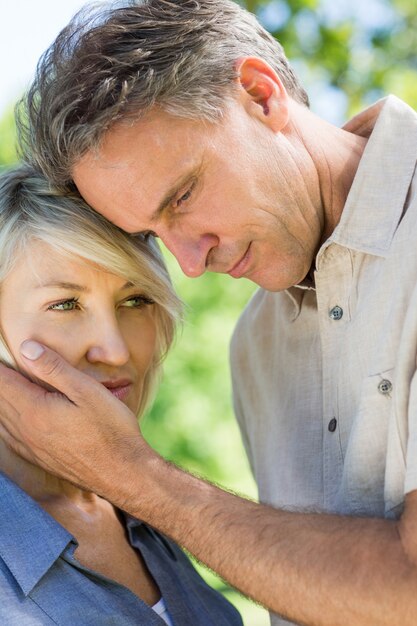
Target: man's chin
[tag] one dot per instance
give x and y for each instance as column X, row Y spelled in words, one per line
column 274, row 283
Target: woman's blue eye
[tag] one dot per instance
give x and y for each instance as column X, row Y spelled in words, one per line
column 137, row 302
column 65, row 305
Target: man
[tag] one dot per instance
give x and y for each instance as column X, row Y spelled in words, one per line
column 183, row 120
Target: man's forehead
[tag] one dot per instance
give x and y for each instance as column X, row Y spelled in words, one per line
column 148, row 151
column 137, row 166
column 122, row 194
column 99, row 159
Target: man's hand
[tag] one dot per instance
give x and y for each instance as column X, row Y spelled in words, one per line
column 72, row 432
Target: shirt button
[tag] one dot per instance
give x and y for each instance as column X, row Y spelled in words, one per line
column 332, row 425
column 385, row 386
column 336, row 313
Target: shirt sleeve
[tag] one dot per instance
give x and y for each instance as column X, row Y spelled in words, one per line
column 411, row 456
column 238, row 379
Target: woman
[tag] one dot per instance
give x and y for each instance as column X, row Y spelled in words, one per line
column 103, row 300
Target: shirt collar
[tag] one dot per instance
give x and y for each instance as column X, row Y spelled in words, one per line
column 133, row 526
column 377, row 198
column 30, row 539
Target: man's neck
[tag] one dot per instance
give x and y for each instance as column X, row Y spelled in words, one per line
column 336, row 154
column 337, row 173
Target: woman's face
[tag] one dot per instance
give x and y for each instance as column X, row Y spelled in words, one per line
column 99, row 323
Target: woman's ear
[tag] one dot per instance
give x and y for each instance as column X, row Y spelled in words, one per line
column 262, row 92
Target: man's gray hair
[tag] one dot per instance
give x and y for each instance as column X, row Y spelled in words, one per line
column 119, row 60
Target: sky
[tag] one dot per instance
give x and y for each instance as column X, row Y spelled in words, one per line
column 27, row 27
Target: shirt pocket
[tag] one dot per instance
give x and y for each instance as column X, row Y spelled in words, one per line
column 366, row 454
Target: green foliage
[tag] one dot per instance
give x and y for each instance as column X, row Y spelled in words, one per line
column 7, row 139
column 193, row 408
column 365, row 49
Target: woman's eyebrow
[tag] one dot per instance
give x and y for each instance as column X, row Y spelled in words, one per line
column 62, row 285
column 74, row 286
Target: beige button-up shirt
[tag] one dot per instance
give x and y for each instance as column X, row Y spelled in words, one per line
column 324, row 379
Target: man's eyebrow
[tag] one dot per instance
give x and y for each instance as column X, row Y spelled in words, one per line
column 173, row 191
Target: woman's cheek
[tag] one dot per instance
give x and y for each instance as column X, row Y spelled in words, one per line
column 143, row 344
column 63, row 336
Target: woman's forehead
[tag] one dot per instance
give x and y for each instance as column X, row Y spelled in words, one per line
column 42, row 264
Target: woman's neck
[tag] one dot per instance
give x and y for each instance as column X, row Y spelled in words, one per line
column 43, row 487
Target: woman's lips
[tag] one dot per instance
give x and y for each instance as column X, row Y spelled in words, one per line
column 119, row 389
column 120, row 392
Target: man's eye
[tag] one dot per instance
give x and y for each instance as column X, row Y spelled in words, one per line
column 137, row 302
column 186, row 196
column 64, row 305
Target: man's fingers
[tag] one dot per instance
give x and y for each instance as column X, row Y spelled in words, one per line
column 13, row 431
column 49, row 367
column 23, row 405
column 14, row 444
column 17, row 389
column 63, row 431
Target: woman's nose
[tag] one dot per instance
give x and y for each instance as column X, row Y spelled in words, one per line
column 108, row 345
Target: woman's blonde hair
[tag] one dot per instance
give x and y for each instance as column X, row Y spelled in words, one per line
column 31, row 209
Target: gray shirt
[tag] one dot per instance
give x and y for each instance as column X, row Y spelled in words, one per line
column 325, row 389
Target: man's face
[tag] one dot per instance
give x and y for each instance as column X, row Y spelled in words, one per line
column 225, row 197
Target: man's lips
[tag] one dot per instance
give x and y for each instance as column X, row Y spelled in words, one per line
column 241, row 266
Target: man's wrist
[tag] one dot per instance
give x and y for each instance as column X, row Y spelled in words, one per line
column 131, row 474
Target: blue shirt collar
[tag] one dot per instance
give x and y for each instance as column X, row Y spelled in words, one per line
column 30, row 539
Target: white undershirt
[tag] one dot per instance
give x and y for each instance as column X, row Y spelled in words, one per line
column 161, row 609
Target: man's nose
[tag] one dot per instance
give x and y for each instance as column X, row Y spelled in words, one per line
column 191, row 254
column 107, row 343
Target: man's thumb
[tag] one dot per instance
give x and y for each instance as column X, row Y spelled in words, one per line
column 49, row 367
column 32, row 350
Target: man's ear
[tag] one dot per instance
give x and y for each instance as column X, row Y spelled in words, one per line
column 262, row 92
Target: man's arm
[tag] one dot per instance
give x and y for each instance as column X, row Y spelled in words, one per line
column 314, row 569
